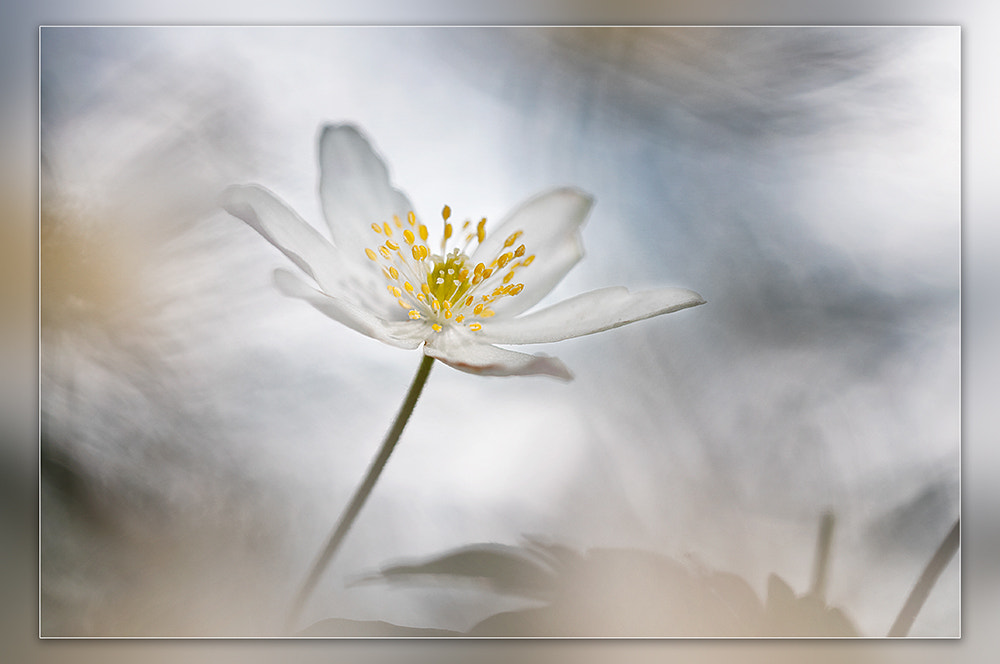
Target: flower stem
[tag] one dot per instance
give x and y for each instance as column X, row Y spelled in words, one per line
column 926, row 581
column 361, row 493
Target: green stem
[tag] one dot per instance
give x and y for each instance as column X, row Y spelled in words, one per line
column 361, row 493
column 923, row 588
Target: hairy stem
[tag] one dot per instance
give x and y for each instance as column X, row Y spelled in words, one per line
column 361, row 493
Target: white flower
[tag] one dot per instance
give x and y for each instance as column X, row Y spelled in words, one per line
column 383, row 275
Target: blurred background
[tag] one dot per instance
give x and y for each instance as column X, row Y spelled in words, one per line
column 199, row 431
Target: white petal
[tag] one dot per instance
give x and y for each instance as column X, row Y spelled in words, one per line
column 588, row 313
column 551, row 223
column 466, row 353
column 355, row 190
column 408, row 334
column 278, row 223
column 307, row 248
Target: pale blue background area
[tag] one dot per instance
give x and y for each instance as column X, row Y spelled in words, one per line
column 805, row 181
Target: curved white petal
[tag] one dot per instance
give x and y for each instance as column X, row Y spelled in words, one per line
column 271, row 217
column 355, row 190
column 588, row 313
column 460, row 350
column 409, row 334
column 550, row 223
column 263, row 211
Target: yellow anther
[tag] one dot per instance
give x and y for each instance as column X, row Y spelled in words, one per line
column 469, row 300
column 370, row 254
column 481, row 230
column 487, row 273
column 447, row 230
column 410, row 217
column 386, row 273
column 392, row 245
column 459, row 318
column 436, row 327
column 509, row 242
column 447, row 313
column 516, row 289
column 479, row 269
column 387, row 228
column 408, row 286
column 435, row 305
column 507, row 277
column 422, row 231
column 504, row 259
column 475, row 327
column 478, row 309
column 426, row 289
column 408, row 236
column 385, row 252
column 377, row 228
column 464, row 274
column 446, row 212
column 528, row 260
column 403, row 303
column 395, row 291
column 394, row 272
column 519, row 251
column 395, row 220
column 414, row 314
column 422, row 298
column 488, row 313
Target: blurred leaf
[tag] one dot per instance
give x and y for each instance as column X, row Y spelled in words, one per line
column 789, row 615
column 505, row 569
column 372, row 628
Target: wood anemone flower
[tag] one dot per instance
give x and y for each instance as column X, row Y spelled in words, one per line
column 383, row 275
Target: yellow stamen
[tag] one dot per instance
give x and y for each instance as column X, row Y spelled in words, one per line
column 436, row 327
column 475, row 327
column 370, row 254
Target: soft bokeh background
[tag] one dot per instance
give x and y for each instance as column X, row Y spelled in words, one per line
column 206, row 431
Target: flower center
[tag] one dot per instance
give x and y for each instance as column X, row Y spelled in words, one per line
column 446, row 288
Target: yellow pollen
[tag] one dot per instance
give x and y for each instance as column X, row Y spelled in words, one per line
column 371, row 254
column 520, row 251
column 469, row 300
column 516, row 289
column 488, row 313
column 447, row 231
column 392, row 245
column 478, row 309
column 394, row 272
column 410, row 217
column 446, row 212
column 459, row 318
column 436, row 306
column 479, row 269
column 377, row 228
column 481, row 230
column 447, row 313
column 509, row 242
column 414, row 314
column 405, row 305
column 475, row 327
column 426, row 289
column 504, row 259
column 507, row 277
column 385, row 253
column 408, row 236
column 528, row 260
column 395, row 220
column 408, row 286
column 436, row 327
column 387, row 228
column 486, row 273
column 422, row 231
column 395, row 291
